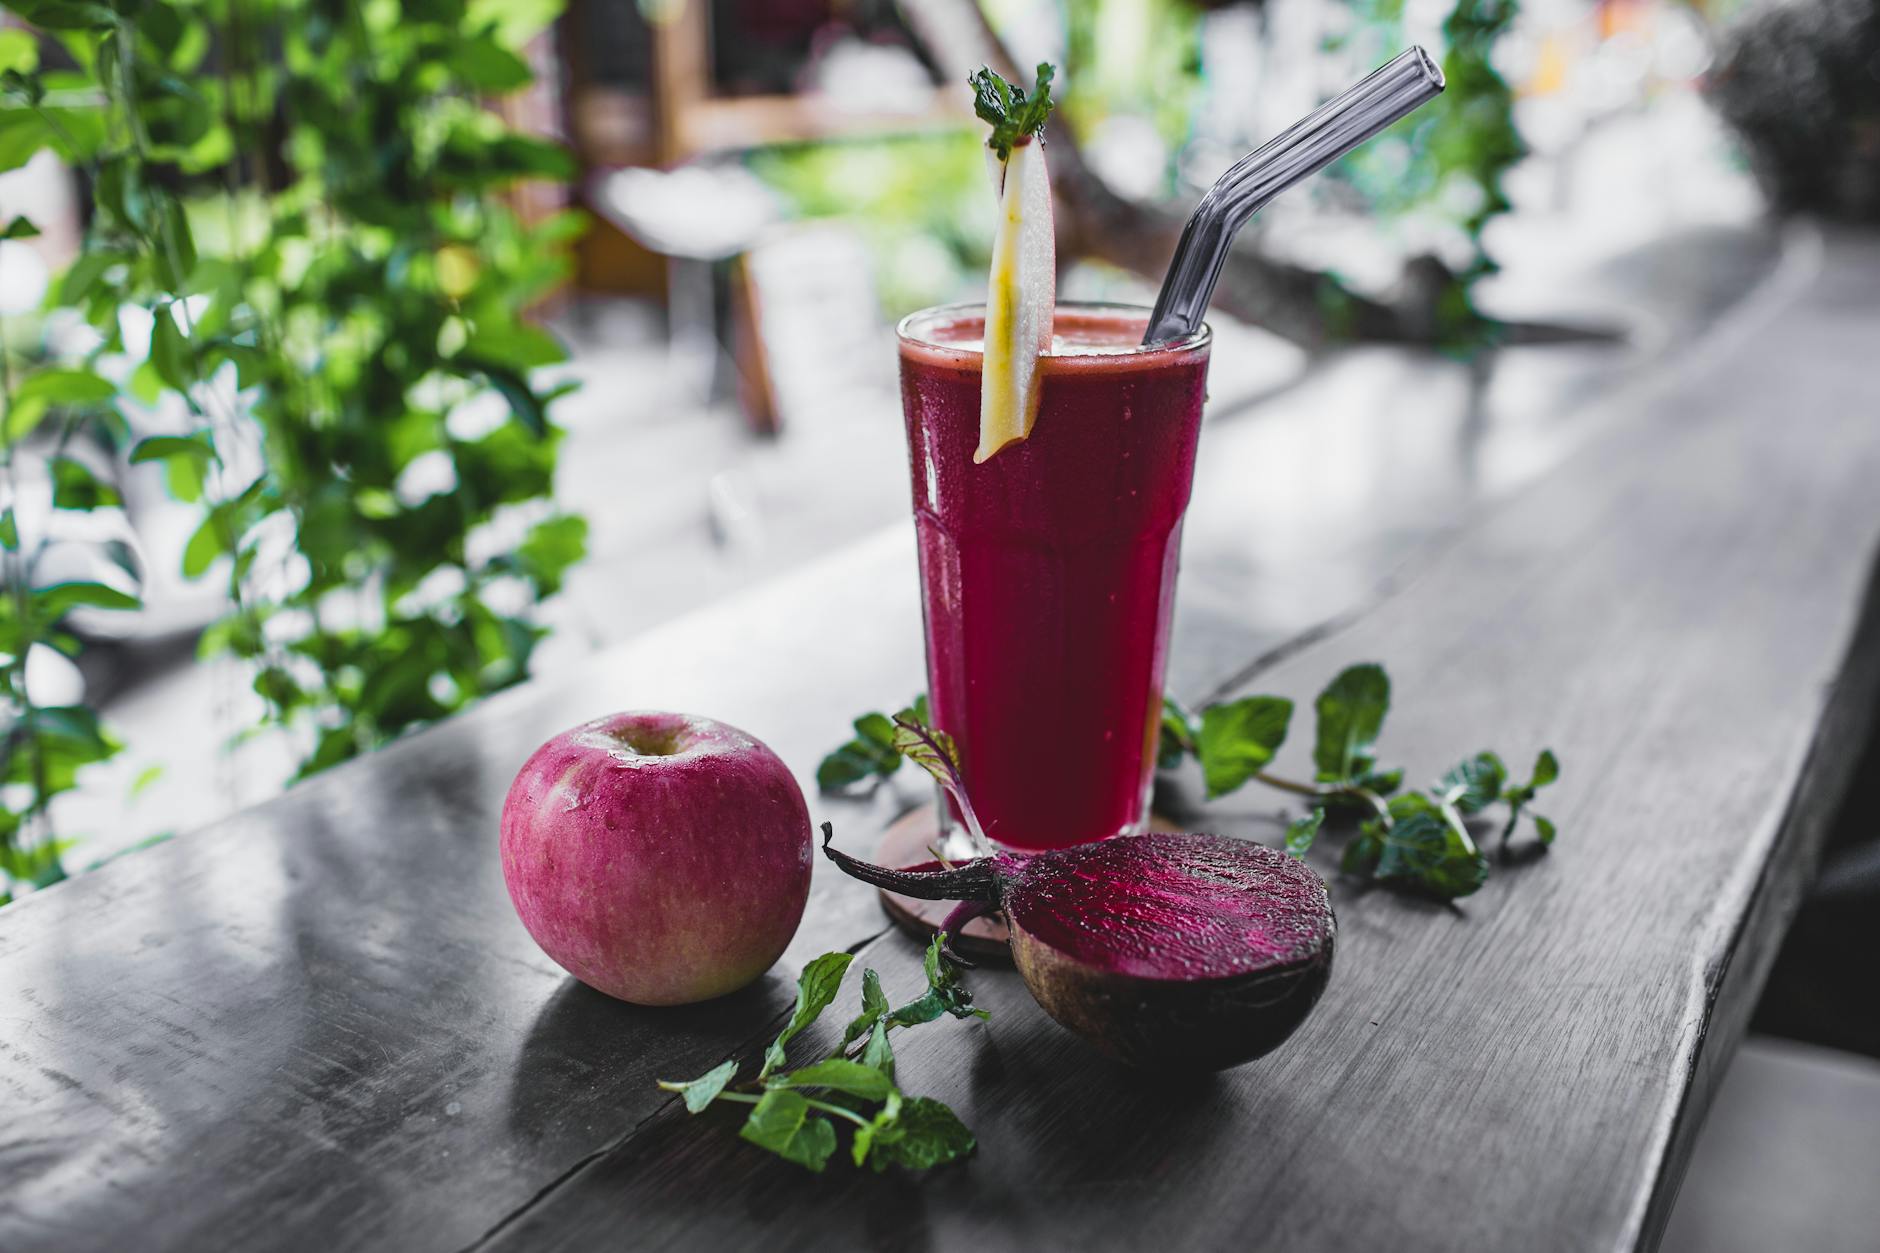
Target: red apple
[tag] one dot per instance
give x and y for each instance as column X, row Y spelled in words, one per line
column 658, row 857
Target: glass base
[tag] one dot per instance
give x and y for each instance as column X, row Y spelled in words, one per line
column 955, row 843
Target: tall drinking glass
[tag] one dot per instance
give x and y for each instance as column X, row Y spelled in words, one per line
column 1048, row 572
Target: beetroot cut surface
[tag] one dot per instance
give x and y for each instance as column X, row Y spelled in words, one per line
column 1186, row 949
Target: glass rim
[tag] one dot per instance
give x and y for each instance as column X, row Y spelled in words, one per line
column 906, row 334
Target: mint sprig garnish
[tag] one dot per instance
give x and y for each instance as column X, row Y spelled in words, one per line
column 795, row 1113
column 1013, row 115
column 871, row 756
column 1419, row 841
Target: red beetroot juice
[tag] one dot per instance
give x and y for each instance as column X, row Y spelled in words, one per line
column 1048, row 572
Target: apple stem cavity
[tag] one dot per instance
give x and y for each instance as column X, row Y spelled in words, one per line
column 649, row 742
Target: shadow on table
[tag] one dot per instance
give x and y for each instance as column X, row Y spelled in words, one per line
column 589, row 1057
column 1060, row 1129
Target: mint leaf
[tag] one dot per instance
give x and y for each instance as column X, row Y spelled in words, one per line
column 1013, row 116
column 853, row 763
column 1475, row 784
column 840, row 1075
column 943, row 980
column 703, row 1090
column 945, row 993
column 934, row 963
column 1240, row 737
column 1177, row 738
column 1351, row 712
column 878, row 1053
column 992, row 97
column 865, row 1136
column 1383, row 782
column 924, row 1008
column 782, row 1123
column 1546, row 770
column 874, row 1000
column 871, row 755
column 926, row 1134
column 1361, row 855
column 815, row 989
column 874, row 1005
column 876, row 729
column 1424, row 851
column 1301, row 832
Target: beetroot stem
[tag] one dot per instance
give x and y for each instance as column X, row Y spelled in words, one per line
column 935, row 752
column 976, row 880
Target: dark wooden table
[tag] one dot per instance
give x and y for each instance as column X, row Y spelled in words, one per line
column 318, row 1025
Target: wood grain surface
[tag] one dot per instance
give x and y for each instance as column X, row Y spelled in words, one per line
column 320, row 1026
column 1684, row 612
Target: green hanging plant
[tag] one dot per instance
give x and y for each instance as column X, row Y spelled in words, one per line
column 308, row 199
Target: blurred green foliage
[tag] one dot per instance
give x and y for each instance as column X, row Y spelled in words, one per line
column 923, row 206
column 920, row 202
column 1450, row 157
column 307, row 198
column 1139, row 56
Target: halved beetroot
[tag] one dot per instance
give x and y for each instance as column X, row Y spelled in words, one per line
column 1189, row 950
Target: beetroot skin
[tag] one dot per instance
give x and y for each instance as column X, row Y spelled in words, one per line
column 659, row 858
column 1194, row 951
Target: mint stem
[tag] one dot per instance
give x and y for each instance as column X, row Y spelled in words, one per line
column 1453, row 817
column 745, row 1098
column 1323, row 793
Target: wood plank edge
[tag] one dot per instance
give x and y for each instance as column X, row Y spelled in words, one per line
column 1792, row 850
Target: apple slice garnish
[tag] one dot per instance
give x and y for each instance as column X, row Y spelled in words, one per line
column 1020, row 298
column 1022, row 294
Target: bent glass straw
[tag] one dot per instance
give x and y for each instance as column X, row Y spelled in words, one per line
column 1397, row 89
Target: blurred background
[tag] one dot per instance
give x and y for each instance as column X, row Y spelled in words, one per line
column 682, row 231
column 362, row 359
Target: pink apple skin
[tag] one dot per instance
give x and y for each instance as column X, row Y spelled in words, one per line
column 659, row 858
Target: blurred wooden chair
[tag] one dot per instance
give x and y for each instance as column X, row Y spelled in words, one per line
column 730, row 274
